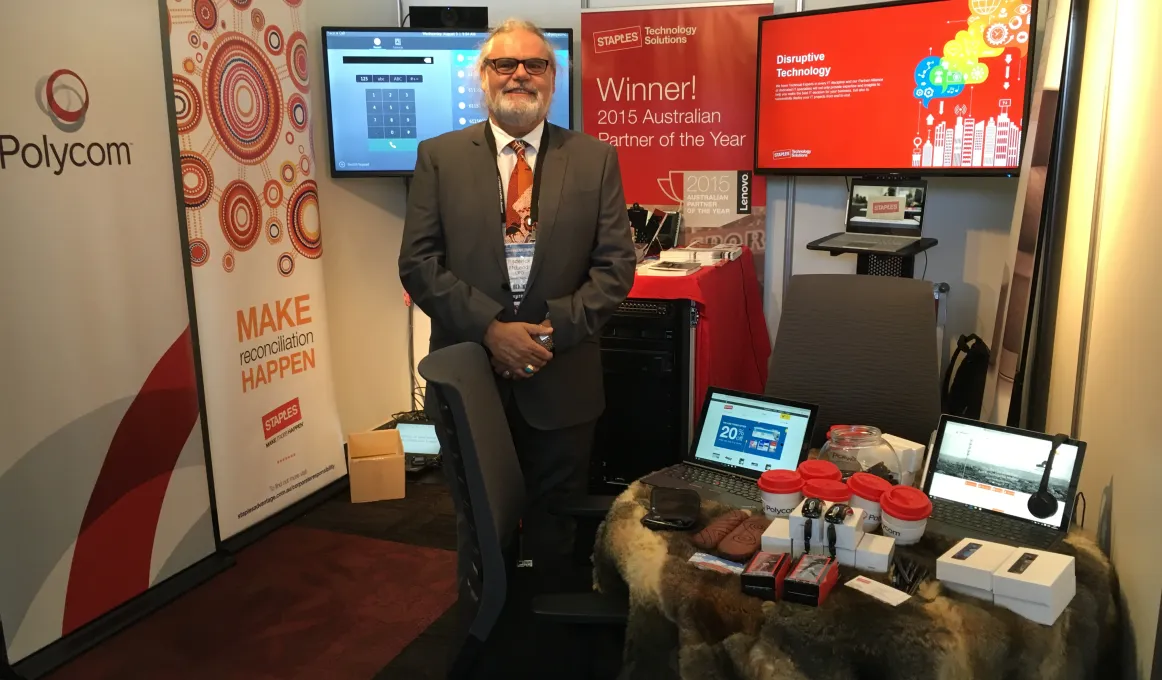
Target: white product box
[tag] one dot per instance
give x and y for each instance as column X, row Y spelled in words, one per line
column 797, row 521
column 968, row 590
column 846, row 557
column 875, row 553
column 1036, row 584
column 911, row 458
column 971, row 562
column 777, row 538
column 849, row 534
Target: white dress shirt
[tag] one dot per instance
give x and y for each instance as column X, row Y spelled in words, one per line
column 506, row 156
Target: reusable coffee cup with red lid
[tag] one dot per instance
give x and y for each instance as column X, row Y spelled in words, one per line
column 866, row 491
column 905, row 513
column 830, row 490
column 819, row 469
column 782, row 490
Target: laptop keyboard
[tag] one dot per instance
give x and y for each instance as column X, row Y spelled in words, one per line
column 739, row 486
column 1016, row 532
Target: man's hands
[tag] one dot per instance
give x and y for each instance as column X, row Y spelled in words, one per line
column 514, row 348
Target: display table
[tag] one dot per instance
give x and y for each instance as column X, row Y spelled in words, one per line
column 692, row 623
column 732, row 342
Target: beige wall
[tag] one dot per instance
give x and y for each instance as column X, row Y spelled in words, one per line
column 1122, row 390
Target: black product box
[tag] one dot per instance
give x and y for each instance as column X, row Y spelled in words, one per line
column 764, row 574
column 810, row 580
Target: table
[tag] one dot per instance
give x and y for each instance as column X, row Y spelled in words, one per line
column 732, row 342
column 691, row 623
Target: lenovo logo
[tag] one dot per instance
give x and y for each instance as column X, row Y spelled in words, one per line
column 617, row 39
column 281, row 418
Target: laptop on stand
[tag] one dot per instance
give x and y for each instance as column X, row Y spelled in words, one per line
column 740, row 436
column 980, row 477
column 882, row 215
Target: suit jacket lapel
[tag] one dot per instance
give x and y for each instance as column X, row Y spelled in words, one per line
column 485, row 174
column 552, row 182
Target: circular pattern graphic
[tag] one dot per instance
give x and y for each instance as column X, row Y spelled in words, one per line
column 199, row 252
column 997, row 35
column 187, row 103
column 274, row 41
column 198, row 57
column 294, row 3
column 305, row 165
column 272, row 192
column 286, row 264
column 240, row 215
column 302, row 219
column 243, row 98
column 296, row 108
column 197, row 179
column 72, row 114
column 223, row 25
column 195, row 39
column 296, row 61
column 206, row 12
column 1016, row 23
column 188, row 65
column 290, row 138
column 301, row 149
column 228, row 262
column 1023, row 37
column 241, row 4
column 273, row 230
column 288, row 172
column 257, row 19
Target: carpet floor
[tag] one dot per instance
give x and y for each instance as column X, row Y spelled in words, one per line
column 348, row 591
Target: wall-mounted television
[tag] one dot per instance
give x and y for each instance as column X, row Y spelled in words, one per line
column 388, row 89
column 919, row 87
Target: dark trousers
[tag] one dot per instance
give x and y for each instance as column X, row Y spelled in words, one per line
column 555, row 464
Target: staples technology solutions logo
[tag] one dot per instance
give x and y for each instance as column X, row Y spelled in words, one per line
column 617, row 39
column 280, row 419
column 881, row 207
column 63, row 97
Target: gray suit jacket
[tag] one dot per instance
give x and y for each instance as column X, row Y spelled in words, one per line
column 452, row 260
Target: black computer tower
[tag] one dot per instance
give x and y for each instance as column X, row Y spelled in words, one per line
column 647, row 356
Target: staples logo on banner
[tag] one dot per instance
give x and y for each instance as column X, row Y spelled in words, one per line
column 64, row 98
column 617, row 39
column 281, row 418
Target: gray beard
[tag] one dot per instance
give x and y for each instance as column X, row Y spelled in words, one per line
column 517, row 114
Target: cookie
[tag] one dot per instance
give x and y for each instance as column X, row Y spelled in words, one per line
column 744, row 541
column 720, row 528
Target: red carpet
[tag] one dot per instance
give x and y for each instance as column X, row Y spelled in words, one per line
column 301, row 603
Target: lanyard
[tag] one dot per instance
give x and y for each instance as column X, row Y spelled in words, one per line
column 534, row 207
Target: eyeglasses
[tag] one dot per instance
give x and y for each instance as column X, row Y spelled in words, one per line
column 507, row 66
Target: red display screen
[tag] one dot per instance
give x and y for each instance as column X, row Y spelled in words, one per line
column 922, row 87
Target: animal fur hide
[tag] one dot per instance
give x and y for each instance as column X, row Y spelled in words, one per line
column 691, row 623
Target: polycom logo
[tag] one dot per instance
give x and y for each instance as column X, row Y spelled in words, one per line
column 64, row 97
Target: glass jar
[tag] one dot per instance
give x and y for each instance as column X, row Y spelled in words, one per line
column 861, row 448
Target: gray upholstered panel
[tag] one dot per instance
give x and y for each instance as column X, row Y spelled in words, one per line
column 864, row 349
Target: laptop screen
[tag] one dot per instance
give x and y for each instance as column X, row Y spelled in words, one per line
column 751, row 436
column 997, row 470
column 882, row 206
column 419, row 439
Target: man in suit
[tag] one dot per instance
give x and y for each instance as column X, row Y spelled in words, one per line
column 517, row 229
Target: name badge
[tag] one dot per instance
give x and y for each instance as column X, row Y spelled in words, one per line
column 519, row 257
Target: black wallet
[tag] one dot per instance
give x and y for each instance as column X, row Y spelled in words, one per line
column 673, row 509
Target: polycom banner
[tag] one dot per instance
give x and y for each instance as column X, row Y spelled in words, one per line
column 103, row 483
column 241, row 90
column 682, row 113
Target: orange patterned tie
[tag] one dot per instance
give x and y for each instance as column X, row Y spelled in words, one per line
column 519, row 199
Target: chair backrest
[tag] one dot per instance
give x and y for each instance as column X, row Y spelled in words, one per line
column 864, row 349
column 476, row 441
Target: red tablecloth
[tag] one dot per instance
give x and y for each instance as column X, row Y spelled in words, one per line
column 732, row 346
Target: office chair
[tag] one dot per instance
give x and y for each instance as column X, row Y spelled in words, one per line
column 490, row 490
column 861, row 347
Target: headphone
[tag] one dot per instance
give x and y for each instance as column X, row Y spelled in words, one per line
column 1044, row 504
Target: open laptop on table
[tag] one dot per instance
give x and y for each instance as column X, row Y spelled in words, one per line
column 882, row 215
column 980, row 477
column 740, row 436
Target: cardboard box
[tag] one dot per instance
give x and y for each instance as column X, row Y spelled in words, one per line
column 911, row 456
column 845, row 557
column 971, row 562
column 777, row 538
column 875, row 553
column 376, row 463
column 818, row 537
column 1036, row 584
